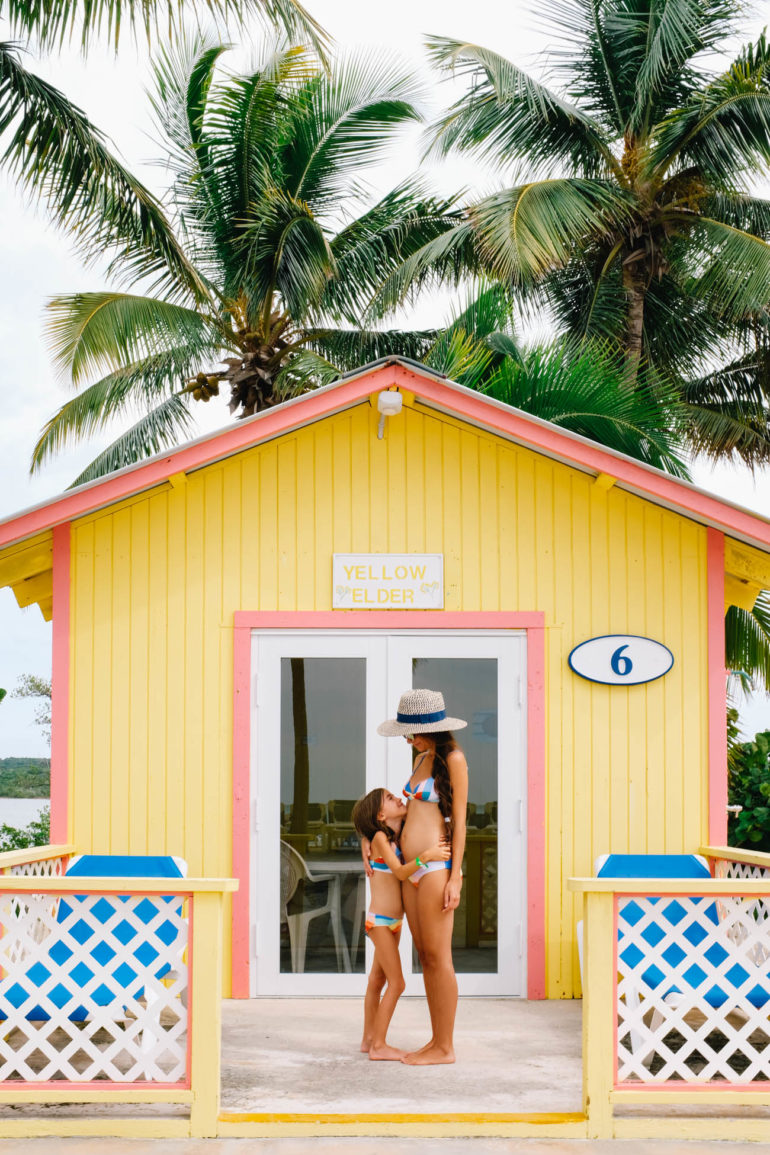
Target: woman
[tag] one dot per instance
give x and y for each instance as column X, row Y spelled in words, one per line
column 437, row 792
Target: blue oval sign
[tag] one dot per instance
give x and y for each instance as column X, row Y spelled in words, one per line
column 621, row 660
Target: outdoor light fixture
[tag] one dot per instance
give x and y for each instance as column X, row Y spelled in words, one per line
column 388, row 404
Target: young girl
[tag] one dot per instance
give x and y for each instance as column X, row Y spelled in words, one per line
column 378, row 817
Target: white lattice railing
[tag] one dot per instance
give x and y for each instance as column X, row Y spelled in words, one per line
column 111, row 984
column 676, row 987
column 36, row 861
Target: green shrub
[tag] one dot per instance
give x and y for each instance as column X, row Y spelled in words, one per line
column 38, row 833
column 749, row 787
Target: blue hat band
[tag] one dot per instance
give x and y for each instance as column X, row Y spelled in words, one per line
column 408, row 719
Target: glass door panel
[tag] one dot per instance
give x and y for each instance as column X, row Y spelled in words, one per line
column 480, row 678
column 318, row 702
column 469, row 686
column 323, row 772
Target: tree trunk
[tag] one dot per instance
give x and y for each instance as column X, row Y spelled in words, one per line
column 301, row 751
column 635, row 288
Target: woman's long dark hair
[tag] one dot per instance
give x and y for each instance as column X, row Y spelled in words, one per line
column 364, row 816
column 445, row 744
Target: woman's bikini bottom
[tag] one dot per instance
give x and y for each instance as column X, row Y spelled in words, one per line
column 426, row 868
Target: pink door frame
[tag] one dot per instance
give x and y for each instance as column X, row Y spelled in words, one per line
column 534, row 624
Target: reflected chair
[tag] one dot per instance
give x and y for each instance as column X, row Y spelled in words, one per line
column 305, row 896
column 340, row 822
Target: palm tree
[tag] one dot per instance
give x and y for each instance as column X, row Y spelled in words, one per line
column 629, row 213
column 56, row 153
column 264, row 203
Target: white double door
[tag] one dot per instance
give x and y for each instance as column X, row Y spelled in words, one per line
column 317, row 699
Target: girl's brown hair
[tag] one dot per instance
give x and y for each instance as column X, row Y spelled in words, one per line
column 445, row 744
column 365, row 818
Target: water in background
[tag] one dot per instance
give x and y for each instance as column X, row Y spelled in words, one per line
column 20, row 812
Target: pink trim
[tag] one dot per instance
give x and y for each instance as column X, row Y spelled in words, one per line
column 475, row 408
column 60, row 685
column 535, row 808
column 241, row 900
column 717, row 702
column 387, row 620
column 534, row 622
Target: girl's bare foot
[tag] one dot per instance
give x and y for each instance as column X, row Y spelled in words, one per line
column 386, row 1052
column 365, row 1045
column 428, row 1057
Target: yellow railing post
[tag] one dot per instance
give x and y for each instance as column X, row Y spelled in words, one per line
column 599, row 1012
column 206, row 1014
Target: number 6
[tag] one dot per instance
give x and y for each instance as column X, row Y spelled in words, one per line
column 621, row 665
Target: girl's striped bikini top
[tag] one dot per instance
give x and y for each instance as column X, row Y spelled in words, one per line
column 424, row 791
column 381, row 864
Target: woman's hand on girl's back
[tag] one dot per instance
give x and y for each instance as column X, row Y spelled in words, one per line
column 366, row 850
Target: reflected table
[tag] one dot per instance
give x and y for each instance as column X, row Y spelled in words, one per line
column 346, row 867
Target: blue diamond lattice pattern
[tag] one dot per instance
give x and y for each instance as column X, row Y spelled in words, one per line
column 693, row 989
column 93, row 987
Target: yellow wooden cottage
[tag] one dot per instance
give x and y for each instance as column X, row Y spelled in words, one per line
column 232, row 619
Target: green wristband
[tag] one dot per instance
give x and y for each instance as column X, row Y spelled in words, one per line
column 417, row 860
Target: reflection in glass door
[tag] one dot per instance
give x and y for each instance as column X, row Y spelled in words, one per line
column 319, row 698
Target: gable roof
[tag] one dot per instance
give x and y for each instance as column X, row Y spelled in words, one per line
column 430, row 389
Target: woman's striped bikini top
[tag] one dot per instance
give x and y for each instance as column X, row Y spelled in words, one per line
column 424, row 791
column 381, row 864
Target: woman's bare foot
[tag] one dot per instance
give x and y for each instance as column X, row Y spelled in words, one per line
column 428, row 1057
column 386, row 1052
column 365, row 1045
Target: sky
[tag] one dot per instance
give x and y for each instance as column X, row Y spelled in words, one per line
column 37, row 263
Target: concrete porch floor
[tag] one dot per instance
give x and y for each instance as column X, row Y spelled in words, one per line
column 299, row 1055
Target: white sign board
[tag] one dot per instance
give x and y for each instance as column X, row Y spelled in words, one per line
column 388, row 581
column 621, row 660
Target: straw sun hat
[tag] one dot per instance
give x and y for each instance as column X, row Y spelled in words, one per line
column 420, row 712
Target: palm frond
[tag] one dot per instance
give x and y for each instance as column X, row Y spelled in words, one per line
column 723, row 129
column 588, row 394
column 525, row 232
column 676, row 32
column 97, row 406
column 307, row 370
column 162, row 428
column 747, row 640
column 285, row 251
column 741, row 211
column 348, row 349
column 726, row 429
column 58, row 156
column 239, row 155
column 512, row 119
column 96, row 332
column 447, row 259
column 346, row 119
column 731, row 268
column 56, row 21
column 377, row 242
column 462, row 357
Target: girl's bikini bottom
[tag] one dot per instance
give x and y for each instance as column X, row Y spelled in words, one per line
column 374, row 920
column 426, row 868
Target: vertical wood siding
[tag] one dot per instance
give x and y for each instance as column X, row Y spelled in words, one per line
column 156, row 582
